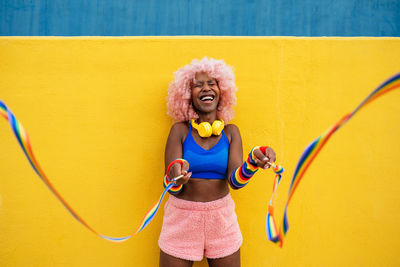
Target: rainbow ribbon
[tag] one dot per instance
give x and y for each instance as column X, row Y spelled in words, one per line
column 272, row 233
column 312, row 151
column 24, row 142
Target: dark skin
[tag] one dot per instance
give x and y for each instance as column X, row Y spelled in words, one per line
column 205, row 190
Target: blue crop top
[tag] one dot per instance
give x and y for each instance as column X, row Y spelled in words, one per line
column 206, row 164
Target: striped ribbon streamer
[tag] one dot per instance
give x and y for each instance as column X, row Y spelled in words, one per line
column 24, row 141
column 272, row 233
column 315, row 147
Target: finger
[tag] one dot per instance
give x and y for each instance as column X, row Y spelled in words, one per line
column 183, row 176
column 260, row 156
column 178, row 177
column 271, row 157
column 184, row 179
column 175, row 170
column 185, row 165
column 176, row 167
column 264, row 165
column 271, row 154
column 178, row 180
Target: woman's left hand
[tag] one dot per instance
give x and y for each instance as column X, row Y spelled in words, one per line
column 263, row 160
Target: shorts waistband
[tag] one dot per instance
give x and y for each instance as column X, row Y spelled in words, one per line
column 200, row 206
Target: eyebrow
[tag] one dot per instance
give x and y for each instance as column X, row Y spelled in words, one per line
column 209, row 81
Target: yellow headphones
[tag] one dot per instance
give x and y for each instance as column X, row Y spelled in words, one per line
column 206, row 130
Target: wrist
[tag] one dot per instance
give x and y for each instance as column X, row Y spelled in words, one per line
column 174, row 189
column 169, row 173
column 251, row 158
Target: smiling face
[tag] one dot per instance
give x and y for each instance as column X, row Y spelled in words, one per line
column 205, row 93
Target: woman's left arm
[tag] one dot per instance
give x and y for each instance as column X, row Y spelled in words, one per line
column 240, row 174
column 235, row 150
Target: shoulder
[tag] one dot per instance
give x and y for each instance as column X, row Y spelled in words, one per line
column 179, row 130
column 180, row 126
column 232, row 132
column 231, row 128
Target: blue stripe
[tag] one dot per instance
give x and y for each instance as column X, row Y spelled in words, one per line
column 285, row 226
column 206, row 17
column 115, row 238
column 234, row 184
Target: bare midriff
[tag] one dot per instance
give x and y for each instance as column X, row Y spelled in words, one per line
column 204, row 190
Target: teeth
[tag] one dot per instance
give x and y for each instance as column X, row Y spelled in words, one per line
column 205, row 98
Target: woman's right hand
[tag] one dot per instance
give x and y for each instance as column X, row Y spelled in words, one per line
column 177, row 169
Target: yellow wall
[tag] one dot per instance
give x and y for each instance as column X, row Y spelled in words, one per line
column 95, row 111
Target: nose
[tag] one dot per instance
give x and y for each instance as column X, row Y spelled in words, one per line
column 206, row 87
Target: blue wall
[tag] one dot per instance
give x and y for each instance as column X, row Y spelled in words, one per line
column 200, row 17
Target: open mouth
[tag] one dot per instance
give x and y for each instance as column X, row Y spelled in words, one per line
column 207, row 98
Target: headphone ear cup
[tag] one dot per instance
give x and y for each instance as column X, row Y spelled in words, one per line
column 217, row 127
column 205, row 129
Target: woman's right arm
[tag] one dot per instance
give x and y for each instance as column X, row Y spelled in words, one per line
column 173, row 150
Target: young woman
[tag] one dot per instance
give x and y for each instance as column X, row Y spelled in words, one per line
column 199, row 219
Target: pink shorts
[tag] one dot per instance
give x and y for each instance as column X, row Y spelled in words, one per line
column 192, row 230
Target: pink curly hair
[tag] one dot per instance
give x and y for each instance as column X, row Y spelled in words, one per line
column 179, row 99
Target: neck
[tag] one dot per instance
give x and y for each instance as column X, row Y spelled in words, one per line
column 209, row 117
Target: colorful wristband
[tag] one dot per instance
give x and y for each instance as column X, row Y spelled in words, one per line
column 242, row 175
column 175, row 189
column 166, row 181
